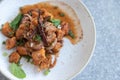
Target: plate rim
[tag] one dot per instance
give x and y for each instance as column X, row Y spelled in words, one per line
column 94, row 45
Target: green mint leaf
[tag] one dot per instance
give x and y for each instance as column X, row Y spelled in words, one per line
column 15, row 23
column 70, row 33
column 5, row 54
column 3, row 42
column 37, row 38
column 17, row 71
column 56, row 22
column 20, row 42
column 46, row 72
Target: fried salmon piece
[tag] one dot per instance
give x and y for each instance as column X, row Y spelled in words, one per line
column 22, row 50
column 20, row 31
column 32, row 46
column 11, row 43
column 34, row 14
column 7, row 31
column 45, row 64
column 14, row 57
column 57, row 47
column 38, row 56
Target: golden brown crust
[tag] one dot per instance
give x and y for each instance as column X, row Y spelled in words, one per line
column 7, row 31
column 14, row 57
column 11, row 43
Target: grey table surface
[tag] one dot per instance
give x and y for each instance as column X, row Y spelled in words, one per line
column 105, row 63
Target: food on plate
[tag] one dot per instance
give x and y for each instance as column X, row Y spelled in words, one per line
column 37, row 32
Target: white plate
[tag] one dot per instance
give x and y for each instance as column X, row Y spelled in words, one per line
column 72, row 59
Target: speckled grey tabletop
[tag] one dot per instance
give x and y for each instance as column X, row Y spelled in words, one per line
column 105, row 63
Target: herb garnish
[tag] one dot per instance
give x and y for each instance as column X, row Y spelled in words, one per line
column 28, row 58
column 20, row 42
column 37, row 38
column 17, row 71
column 15, row 23
column 5, row 54
column 46, row 72
column 56, row 22
column 70, row 33
column 3, row 42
